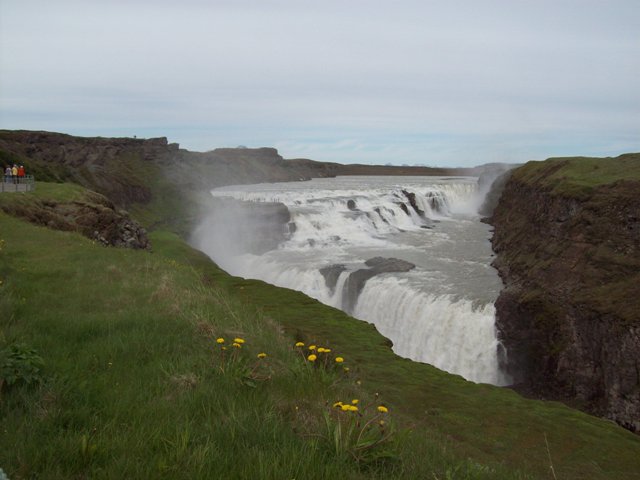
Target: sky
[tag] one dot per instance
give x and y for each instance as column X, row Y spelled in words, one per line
column 439, row 83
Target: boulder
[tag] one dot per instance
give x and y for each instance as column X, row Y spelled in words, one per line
column 356, row 280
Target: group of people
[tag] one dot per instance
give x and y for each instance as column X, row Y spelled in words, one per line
column 14, row 174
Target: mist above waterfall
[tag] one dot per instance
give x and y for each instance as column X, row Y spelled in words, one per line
column 231, row 228
column 408, row 254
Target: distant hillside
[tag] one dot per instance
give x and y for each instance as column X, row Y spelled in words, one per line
column 162, row 183
column 116, row 166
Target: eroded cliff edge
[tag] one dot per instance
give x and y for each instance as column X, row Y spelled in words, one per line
column 567, row 235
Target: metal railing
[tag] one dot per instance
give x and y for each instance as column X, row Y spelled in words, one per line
column 18, row 184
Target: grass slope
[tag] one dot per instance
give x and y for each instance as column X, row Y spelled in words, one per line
column 133, row 385
column 578, row 176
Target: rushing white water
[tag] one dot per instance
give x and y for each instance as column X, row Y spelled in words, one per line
column 440, row 312
column 451, row 334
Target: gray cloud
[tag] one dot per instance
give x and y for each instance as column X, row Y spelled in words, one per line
column 427, row 82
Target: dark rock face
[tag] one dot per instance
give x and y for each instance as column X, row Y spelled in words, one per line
column 331, row 275
column 569, row 314
column 412, row 201
column 356, row 280
column 96, row 218
column 381, row 265
column 351, row 204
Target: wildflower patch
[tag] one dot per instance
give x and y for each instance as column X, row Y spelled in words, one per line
column 361, row 432
column 235, row 361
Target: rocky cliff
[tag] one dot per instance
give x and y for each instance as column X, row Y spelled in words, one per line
column 567, row 235
column 86, row 212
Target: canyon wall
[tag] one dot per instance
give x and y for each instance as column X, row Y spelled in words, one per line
column 567, row 238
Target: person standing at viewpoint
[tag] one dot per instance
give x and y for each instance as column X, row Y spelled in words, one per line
column 20, row 173
column 14, row 173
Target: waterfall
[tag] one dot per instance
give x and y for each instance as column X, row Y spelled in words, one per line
column 451, row 334
column 431, row 291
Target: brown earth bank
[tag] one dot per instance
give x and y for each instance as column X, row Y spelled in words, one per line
column 94, row 216
column 567, row 238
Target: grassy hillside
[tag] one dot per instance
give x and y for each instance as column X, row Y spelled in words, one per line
column 579, row 176
column 134, row 385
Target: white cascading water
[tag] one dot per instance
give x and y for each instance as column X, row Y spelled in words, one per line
column 441, row 312
column 451, row 334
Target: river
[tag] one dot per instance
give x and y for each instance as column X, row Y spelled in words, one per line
column 436, row 303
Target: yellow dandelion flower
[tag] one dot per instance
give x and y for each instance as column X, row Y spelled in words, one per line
column 339, row 359
column 262, row 355
column 238, row 340
column 352, row 408
column 346, row 369
column 337, row 404
column 381, row 423
column 312, row 347
column 299, row 344
column 327, row 350
column 321, row 350
column 354, row 401
column 220, row 340
column 345, row 408
column 237, row 345
column 382, row 409
column 312, row 358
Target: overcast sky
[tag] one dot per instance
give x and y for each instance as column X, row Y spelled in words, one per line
column 418, row 82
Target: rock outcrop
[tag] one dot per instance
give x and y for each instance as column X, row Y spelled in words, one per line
column 567, row 235
column 331, row 275
column 412, row 201
column 94, row 217
column 355, row 282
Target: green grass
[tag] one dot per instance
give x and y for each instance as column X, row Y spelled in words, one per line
column 578, row 176
column 120, row 331
column 133, row 388
column 58, row 192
